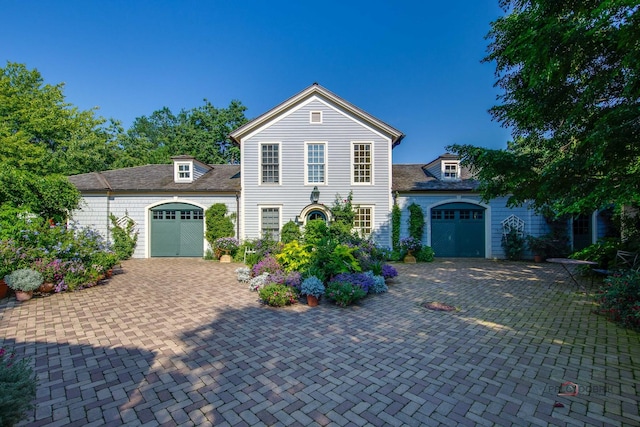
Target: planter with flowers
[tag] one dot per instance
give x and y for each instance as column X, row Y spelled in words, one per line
column 313, row 288
column 225, row 248
column 24, row 281
column 410, row 245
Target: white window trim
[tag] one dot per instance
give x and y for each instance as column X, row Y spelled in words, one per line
column 306, row 163
column 176, row 171
column 311, row 113
column 372, row 208
column 443, row 167
column 260, row 207
column 271, row 184
column 372, row 164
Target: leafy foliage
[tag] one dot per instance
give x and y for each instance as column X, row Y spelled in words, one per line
column 125, row 237
column 312, row 286
column 396, row 214
column 344, row 293
column 416, row 222
column 425, row 254
column 619, row 299
column 218, row 223
column 294, row 256
column 277, row 295
column 513, row 244
column 17, row 388
column 570, row 77
column 290, row 232
column 24, row 279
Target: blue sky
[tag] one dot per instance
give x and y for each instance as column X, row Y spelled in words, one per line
column 413, row 64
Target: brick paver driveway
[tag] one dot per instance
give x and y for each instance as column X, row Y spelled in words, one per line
column 181, row 342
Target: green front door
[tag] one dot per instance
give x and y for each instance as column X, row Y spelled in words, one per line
column 457, row 230
column 177, row 230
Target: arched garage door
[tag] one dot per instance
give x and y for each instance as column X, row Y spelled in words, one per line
column 177, row 230
column 457, row 230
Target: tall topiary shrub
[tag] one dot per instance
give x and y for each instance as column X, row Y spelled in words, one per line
column 395, row 227
column 219, row 224
column 416, row 221
column 124, row 237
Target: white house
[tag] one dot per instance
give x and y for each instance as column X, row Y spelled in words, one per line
column 296, row 159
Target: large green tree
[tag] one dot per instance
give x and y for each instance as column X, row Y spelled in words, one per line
column 43, row 134
column 570, row 78
column 201, row 132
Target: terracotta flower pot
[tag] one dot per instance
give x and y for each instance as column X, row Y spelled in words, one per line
column 312, row 301
column 3, row 288
column 23, row 296
column 46, row 287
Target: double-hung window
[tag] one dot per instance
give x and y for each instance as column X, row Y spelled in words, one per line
column 450, row 170
column 316, row 162
column 183, row 172
column 270, row 163
column 361, row 157
column 363, row 221
column 270, row 222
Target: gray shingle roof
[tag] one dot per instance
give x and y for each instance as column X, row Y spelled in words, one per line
column 158, row 178
column 416, row 178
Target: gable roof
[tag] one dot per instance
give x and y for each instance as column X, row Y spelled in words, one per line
column 158, row 178
column 317, row 90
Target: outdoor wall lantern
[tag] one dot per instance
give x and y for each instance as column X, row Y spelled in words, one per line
column 315, row 194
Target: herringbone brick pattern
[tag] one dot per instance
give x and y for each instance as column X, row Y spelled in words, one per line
column 181, row 342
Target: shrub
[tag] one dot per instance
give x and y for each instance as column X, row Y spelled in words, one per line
column 218, row 223
column 24, row 279
column 243, row 274
column 619, row 299
column 363, row 280
column 330, row 258
column 267, row 265
column 258, row 282
column 389, row 271
column 290, row 232
column 277, row 295
column 416, row 221
column 425, row 254
column 513, row 244
column 124, row 237
column 294, row 256
column 17, row 388
column 378, row 285
column 312, row 286
column 344, row 293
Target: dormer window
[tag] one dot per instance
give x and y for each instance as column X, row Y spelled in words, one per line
column 183, row 172
column 450, row 171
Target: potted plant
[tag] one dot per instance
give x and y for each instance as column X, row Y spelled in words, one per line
column 313, row 288
column 410, row 245
column 538, row 245
column 24, row 281
column 225, row 247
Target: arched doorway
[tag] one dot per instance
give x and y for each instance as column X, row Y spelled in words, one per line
column 176, row 230
column 314, row 211
column 458, row 230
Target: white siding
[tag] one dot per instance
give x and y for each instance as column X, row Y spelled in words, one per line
column 495, row 213
column 94, row 212
column 338, row 130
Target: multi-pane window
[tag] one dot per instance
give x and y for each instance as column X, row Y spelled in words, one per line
column 270, row 163
column 449, row 214
column 316, row 163
column 362, row 163
column 183, row 172
column 191, row 215
column 363, row 221
column 270, row 222
column 164, row 214
column 436, row 214
column 450, row 170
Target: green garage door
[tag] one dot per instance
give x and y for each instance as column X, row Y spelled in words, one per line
column 177, row 230
column 457, row 230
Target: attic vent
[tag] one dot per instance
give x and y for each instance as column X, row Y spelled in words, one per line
column 316, row 117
